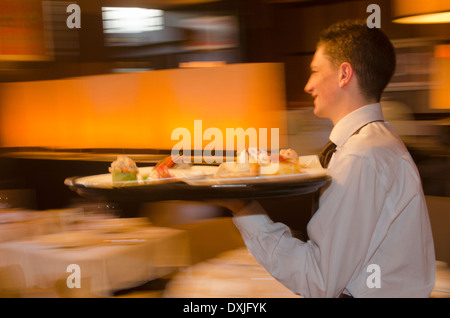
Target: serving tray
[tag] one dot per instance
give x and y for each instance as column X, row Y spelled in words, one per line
column 199, row 184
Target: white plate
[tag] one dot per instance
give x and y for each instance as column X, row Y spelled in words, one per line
column 313, row 169
column 204, row 175
column 307, row 174
column 105, row 180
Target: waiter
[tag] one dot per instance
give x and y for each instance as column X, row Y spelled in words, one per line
column 371, row 236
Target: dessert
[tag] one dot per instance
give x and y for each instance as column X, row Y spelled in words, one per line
column 248, row 164
column 288, row 162
column 236, row 169
column 255, row 162
column 125, row 169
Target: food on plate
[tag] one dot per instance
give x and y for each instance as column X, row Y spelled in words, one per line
column 288, row 155
column 254, row 156
column 248, row 164
column 288, row 162
column 255, row 162
column 161, row 169
column 124, row 169
column 285, row 162
column 236, row 169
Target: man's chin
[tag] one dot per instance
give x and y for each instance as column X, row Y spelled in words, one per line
column 317, row 112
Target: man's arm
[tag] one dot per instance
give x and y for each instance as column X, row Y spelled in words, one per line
column 339, row 232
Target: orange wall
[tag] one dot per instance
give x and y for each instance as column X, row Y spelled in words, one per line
column 140, row 110
column 438, row 96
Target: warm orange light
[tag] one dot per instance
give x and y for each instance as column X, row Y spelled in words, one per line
column 441, row 17
column 141, row 110
column 421, row 12
column 442, row 50
column 439, row 93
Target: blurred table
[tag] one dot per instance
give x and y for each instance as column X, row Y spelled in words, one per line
column 108, row 260
column 232, row 274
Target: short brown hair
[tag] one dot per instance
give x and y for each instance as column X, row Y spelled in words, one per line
column 368, row 50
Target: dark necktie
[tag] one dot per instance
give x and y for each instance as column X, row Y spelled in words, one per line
column 326, row 153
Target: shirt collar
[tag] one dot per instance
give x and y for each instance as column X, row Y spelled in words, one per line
column 347, row 126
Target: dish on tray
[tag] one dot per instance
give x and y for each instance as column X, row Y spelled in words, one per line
column 228, row 173
column 105, row 180
column 306, row 174
column 292, row 168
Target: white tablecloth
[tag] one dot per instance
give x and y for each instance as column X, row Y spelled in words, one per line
column 108, row 261
column 233, row 274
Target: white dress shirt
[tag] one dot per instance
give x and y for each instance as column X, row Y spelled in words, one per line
column 370, row 237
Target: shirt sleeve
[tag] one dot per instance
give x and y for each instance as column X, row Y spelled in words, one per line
column 340, row 233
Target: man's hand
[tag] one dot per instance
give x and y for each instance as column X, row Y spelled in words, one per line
column 240, row 207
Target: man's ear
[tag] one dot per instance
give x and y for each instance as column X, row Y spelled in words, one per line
column 345, row 74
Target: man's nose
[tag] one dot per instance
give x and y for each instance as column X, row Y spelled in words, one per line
column 308, row 87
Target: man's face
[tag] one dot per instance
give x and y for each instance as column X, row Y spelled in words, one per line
column 323, row 84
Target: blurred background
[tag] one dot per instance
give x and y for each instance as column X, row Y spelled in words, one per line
column 78, row 85
column 115, row 36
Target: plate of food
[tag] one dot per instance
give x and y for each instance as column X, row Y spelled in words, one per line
column 257, row 167
column 253, row 174
column 124, row 172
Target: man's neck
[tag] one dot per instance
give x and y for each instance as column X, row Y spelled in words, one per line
column 349, row 105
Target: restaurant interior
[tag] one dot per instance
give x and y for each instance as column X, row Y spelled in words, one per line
column 85, row 82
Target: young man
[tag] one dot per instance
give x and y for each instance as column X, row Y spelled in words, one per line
column 371, row 235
